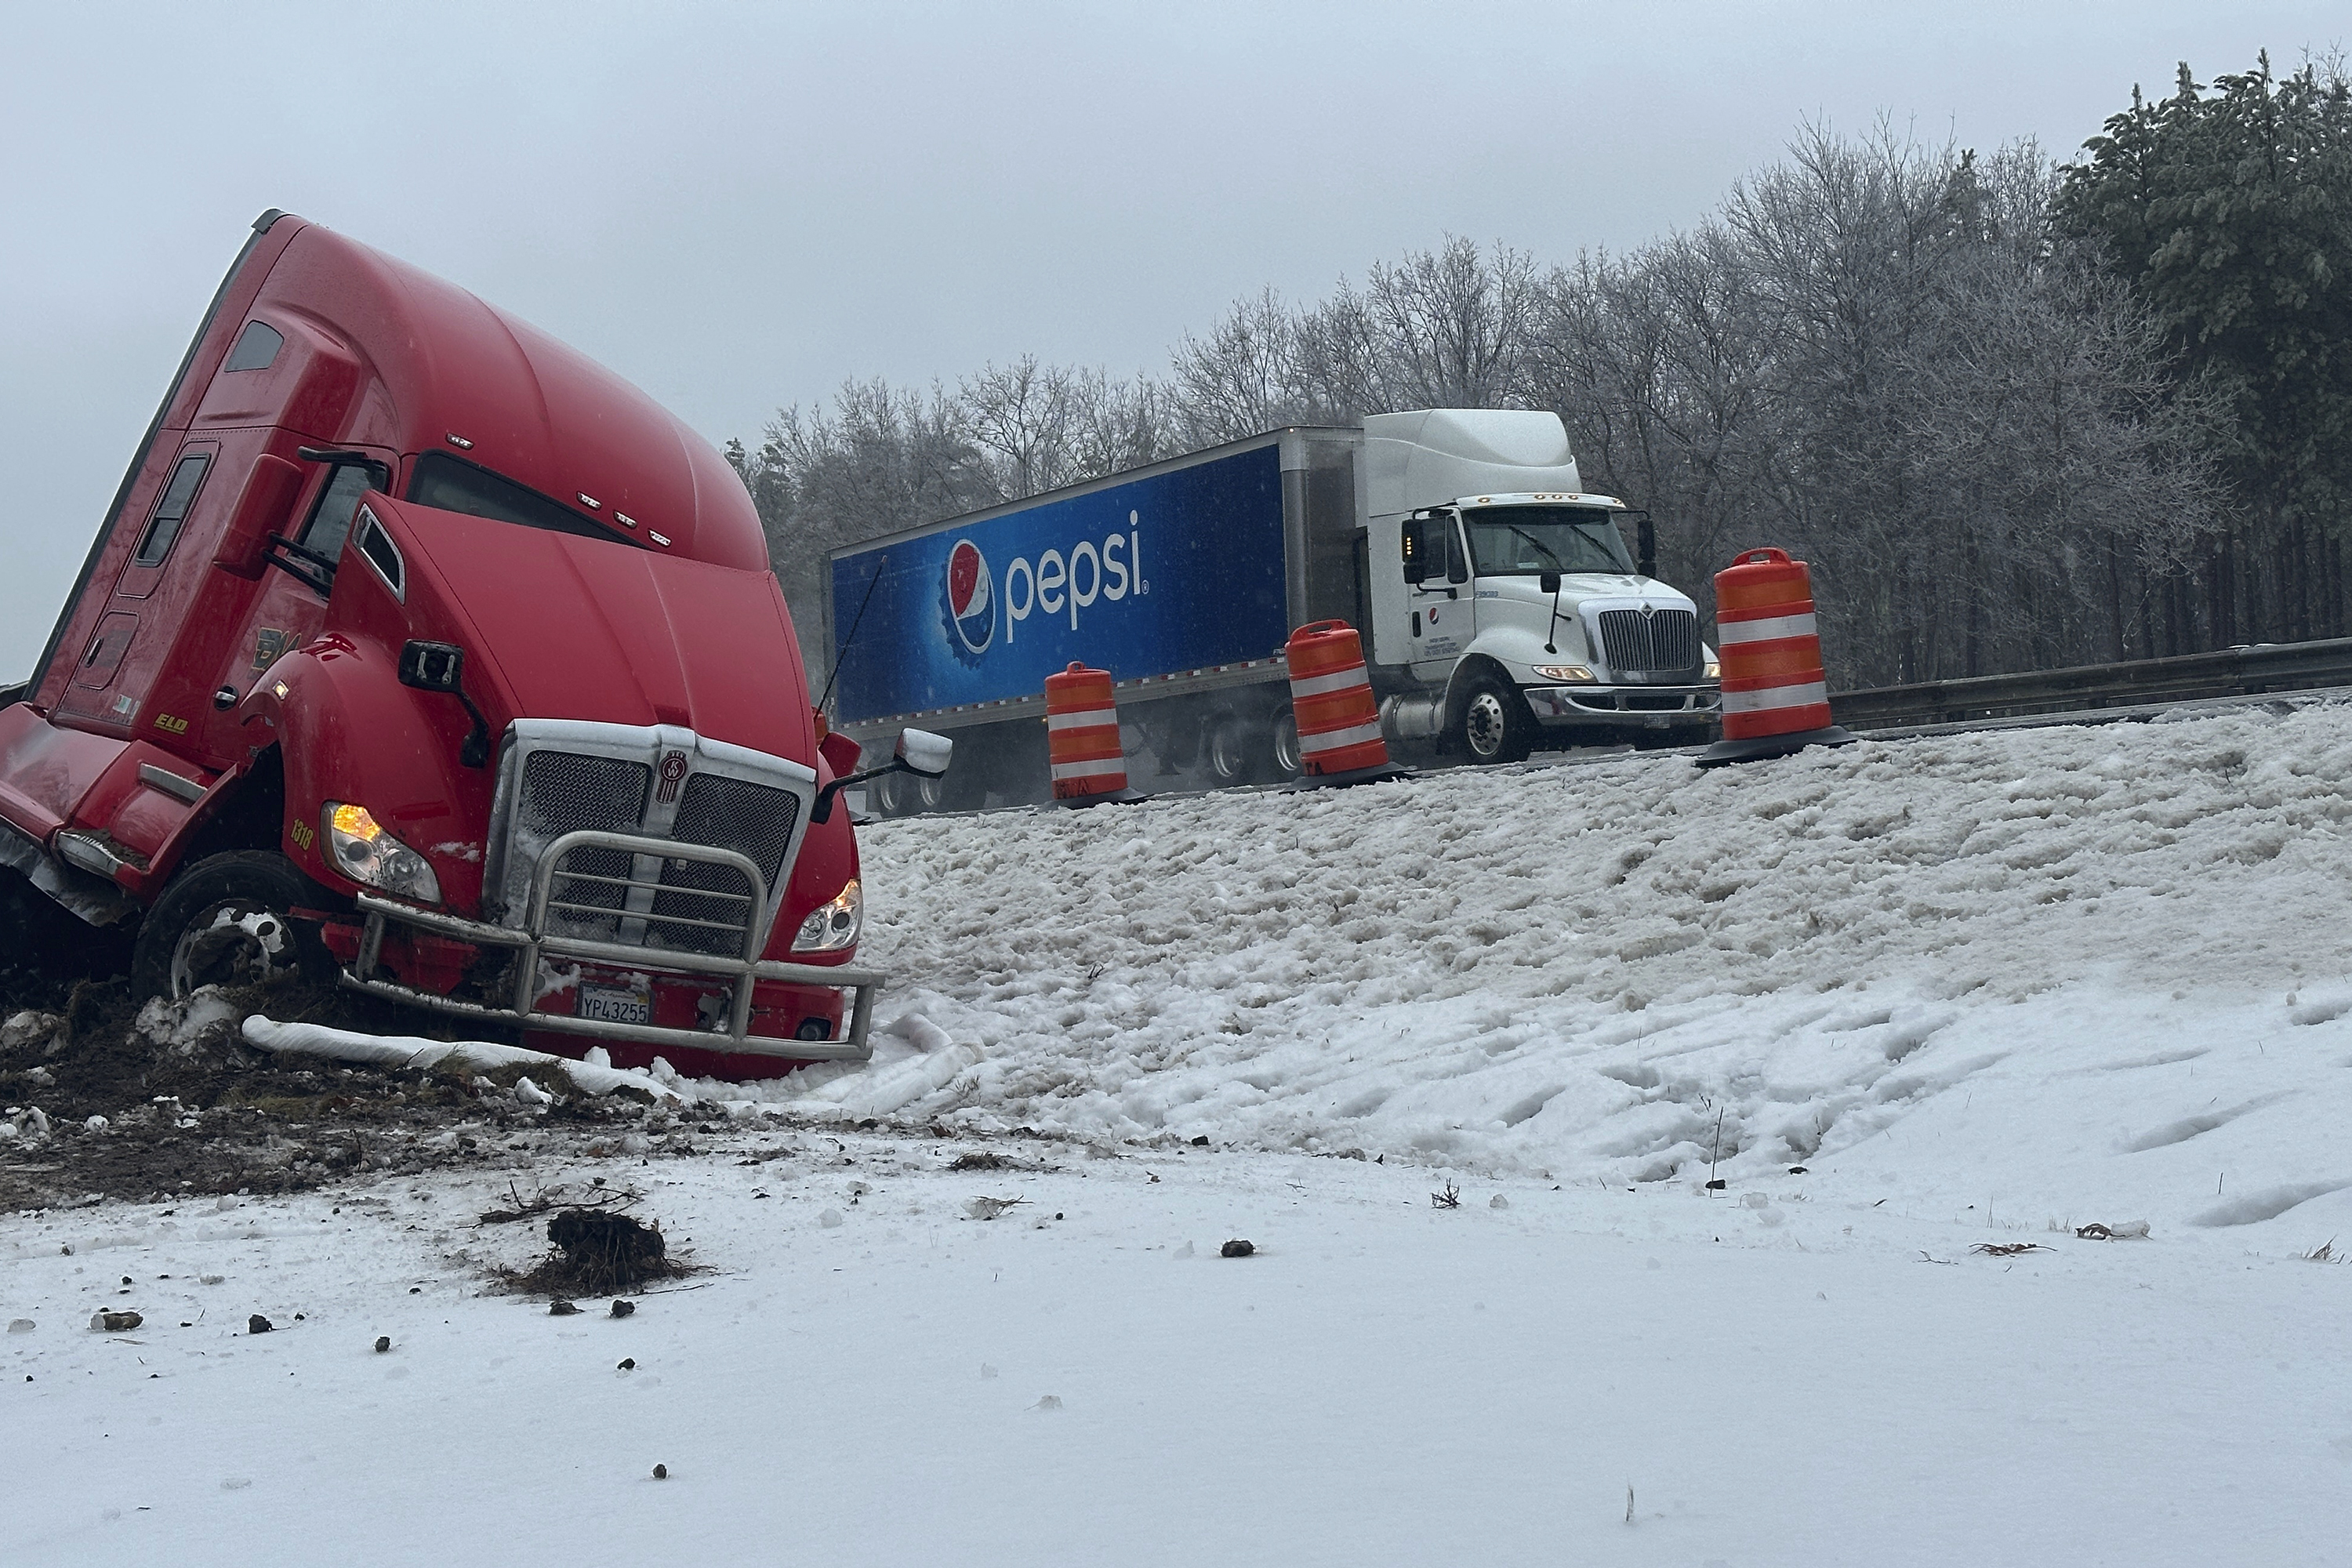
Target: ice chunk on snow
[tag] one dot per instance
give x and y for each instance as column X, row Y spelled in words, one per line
column 920, row 1031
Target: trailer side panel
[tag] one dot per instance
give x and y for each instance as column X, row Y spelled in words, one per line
column 1177, row 571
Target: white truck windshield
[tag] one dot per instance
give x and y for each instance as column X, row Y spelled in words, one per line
column 1515, row 541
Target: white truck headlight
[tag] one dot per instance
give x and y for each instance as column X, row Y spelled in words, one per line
column 1561, row 671
column 368, row 855
column 1715, row 669
column 833, row 926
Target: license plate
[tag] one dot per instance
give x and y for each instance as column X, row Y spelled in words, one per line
column 616, row 1005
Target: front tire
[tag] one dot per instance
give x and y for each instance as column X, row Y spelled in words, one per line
column 229, row 921
column 1495, row 725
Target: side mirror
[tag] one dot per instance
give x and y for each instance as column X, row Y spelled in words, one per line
column 918, row 751
column 431, row 665
column 263, row 507
column 441, row 666
column 922, row 753
column 1549, row 583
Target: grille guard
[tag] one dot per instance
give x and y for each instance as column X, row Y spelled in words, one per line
column 533, row 945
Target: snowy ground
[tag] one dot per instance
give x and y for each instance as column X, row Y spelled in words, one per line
column 1568, row 988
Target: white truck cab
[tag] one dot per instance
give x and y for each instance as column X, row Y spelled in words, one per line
column 1505, row 595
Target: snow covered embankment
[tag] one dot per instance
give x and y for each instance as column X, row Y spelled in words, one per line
column 2095, row 974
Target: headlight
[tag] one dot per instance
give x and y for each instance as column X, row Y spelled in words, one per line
column 833, row 926
column 1562, row 671
column 367, row 853
column 1715, row 669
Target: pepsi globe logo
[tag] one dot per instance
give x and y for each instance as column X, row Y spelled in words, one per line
column 970, row 598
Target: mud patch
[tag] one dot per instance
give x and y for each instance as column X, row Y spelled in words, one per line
column 598, row 1252
column 104, row 1097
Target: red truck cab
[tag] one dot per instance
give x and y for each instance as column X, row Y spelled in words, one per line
column 417, row 645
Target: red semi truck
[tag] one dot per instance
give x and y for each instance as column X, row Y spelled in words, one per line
column 418, row 649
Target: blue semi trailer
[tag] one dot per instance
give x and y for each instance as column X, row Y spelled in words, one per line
column 1499, row 603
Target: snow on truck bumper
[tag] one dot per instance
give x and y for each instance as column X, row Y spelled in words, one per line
column 537, row 953
column 637, row 872
column 1630, row 706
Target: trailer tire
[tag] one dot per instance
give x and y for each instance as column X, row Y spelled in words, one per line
column 902, row 794
column 1226, row 752
column 1282, row 746
column 229, row 920
column 1494, row 725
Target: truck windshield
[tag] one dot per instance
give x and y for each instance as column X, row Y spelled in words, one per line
column 1514, row 541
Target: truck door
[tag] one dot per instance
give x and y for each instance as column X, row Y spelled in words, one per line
column 98, row 689
column 1438, row 609
column 291, row 603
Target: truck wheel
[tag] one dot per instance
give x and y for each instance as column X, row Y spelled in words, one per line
column 1495, row 725
column 1282, row 750
column 1227, row 751
column 905, row 793
column 227, row 920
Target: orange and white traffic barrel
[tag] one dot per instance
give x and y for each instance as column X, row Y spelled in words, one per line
column 1339, row 738
column 1776, row 699
column 1082, row 735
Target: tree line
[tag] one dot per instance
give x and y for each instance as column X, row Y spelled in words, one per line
column 2017, row 414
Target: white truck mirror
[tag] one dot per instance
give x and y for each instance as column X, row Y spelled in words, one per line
column 924, row 754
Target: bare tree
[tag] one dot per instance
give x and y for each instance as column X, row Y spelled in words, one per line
column 1880, row 355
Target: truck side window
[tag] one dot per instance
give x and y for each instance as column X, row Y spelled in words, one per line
column 257, row 347
column 1458, row 565
column 172, row 510
column 329, row 522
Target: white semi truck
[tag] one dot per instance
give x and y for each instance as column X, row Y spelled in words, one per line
column 1500, row 604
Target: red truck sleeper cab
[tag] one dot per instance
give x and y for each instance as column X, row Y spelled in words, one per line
column 415, row 625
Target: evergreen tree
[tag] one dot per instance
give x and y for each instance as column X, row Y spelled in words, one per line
column 2229, row 208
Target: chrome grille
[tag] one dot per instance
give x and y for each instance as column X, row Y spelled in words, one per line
column 1662, row 642
column 690, row 859
column 752, row 819
column 561, row 792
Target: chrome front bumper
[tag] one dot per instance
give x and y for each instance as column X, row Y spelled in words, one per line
column 534, row 946
column 1633, row 707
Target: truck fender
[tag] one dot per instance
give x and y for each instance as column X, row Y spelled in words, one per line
column 349, row 731
column 1467, row 670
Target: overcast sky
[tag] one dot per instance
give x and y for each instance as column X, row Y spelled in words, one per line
column 739, row 206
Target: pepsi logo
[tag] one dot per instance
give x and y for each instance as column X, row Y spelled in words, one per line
column 971, row 597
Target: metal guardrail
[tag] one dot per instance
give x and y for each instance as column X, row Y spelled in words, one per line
column 2231, row 672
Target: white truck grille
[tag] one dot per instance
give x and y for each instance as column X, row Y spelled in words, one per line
column 1660, row 642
